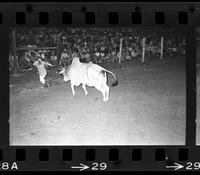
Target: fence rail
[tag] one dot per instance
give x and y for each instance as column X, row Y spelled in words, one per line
column 38, row 48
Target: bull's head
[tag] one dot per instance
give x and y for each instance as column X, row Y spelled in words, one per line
column 63, row 72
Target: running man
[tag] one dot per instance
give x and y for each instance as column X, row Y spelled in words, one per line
column 40, row 64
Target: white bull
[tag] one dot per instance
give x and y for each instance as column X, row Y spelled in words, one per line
column 89, row 74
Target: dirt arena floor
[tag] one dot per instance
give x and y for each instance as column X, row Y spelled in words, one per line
column 146, row 108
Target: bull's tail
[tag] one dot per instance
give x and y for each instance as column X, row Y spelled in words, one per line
column 115, row 83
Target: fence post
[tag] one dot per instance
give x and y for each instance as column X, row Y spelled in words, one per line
column 58, row 42
column 92, row 43
column 120, row 51
column 161, row 48
column 143, row 49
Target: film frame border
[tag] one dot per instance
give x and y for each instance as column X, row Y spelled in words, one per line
column 124, row 160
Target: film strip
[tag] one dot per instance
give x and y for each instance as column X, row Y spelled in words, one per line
column 149, row 121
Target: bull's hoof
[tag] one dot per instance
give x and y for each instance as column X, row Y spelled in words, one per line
column 105, row 100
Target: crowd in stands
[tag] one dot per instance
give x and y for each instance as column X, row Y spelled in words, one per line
column 91, row 44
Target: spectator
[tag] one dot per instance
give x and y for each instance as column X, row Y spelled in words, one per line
column 64, row 58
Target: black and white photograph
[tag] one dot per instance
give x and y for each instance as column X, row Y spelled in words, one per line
column 198, row 85
column 79, row 86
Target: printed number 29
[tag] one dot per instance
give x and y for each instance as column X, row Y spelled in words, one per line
column 191, row 166
column 99, row 166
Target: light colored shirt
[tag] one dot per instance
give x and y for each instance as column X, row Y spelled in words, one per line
column 41, row 67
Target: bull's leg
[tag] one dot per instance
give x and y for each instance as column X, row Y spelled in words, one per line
column 102, row 90
column 104, row 94
column 107, row 90
column 72, row 87
column 84, row 88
